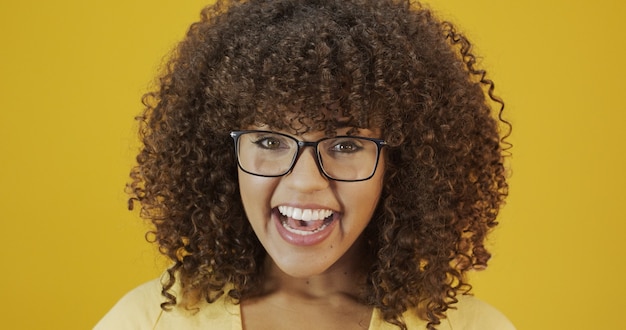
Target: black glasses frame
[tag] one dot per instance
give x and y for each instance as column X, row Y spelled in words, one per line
column 300, row 146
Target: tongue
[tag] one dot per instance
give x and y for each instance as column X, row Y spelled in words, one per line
column 304, row 225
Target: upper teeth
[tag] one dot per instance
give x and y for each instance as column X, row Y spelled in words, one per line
column 304, row 214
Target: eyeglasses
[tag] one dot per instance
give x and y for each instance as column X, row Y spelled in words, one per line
column 340, row 158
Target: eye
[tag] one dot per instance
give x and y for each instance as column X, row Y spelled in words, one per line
column 346, row 145
column 271, row 142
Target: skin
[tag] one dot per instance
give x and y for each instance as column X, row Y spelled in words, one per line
column 311, row 285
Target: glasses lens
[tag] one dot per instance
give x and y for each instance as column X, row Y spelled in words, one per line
column 266, row 153
column 348, row 158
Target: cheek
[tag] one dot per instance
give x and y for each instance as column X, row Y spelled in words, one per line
column 256, row 193
column 361, row 199
column 371, row 191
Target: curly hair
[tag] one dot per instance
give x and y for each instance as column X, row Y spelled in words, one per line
column 388, row 64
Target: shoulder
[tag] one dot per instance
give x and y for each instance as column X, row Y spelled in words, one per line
column 138, row 309
column 472, row 313
column 141, row 309
column 469, row 313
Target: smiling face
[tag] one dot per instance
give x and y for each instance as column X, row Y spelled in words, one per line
column 306, row 222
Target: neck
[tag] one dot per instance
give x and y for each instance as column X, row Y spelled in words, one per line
column 330, row 300
column 346, row 278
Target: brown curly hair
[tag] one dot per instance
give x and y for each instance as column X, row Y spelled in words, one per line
column 388, row 64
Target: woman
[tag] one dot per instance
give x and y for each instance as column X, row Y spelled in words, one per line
column 318, row 164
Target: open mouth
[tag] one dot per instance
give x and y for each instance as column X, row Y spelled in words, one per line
column 305, row 221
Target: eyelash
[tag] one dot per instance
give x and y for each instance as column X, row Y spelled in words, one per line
column 271, row 142
column 263, row 141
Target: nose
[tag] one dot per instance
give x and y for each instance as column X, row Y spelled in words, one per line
column 306, row 174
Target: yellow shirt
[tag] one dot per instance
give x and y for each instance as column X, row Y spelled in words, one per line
column 140, row 309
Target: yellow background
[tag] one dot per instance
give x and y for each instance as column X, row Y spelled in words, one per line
column 71, row 76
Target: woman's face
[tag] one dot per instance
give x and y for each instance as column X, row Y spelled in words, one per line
column 275, row 207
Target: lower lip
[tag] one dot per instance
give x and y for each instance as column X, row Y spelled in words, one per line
column 303, row 240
